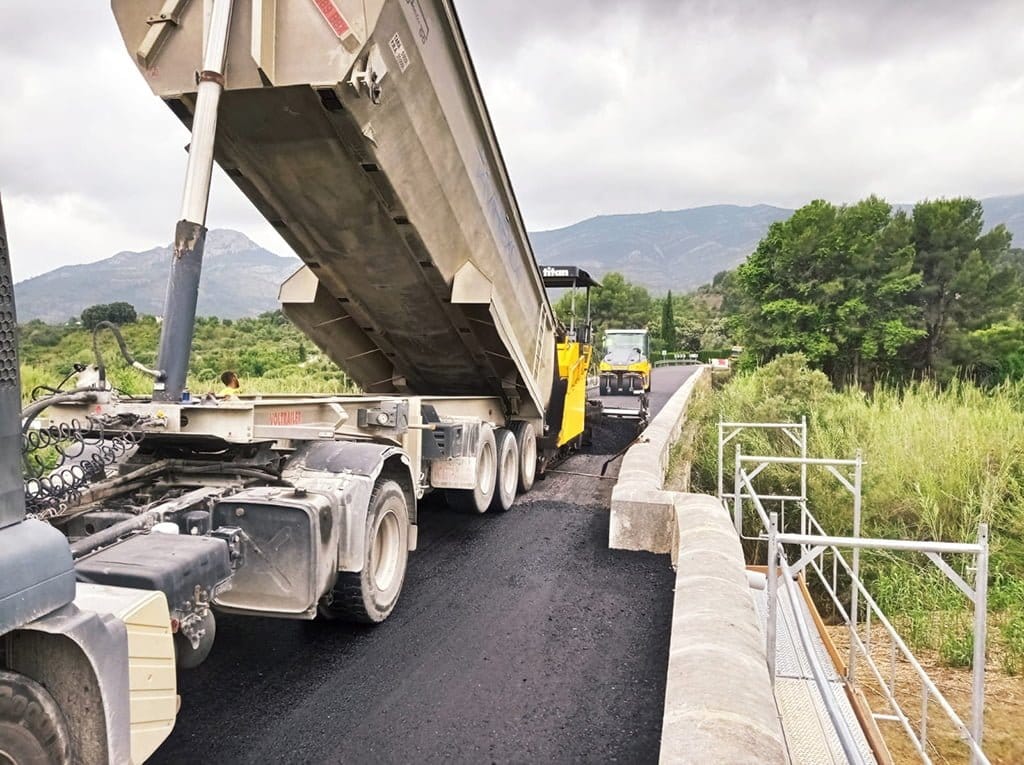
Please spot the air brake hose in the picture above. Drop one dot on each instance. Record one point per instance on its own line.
(85, 395)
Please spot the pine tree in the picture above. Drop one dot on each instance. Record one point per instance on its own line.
(668, 325)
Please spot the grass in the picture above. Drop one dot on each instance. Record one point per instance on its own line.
(681, 454)
(939, 461)
(1012, 632)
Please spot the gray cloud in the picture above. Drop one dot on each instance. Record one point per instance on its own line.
(748, 102)
(601, 106)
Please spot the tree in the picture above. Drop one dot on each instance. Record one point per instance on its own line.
(616, 304)
(118, 313)
(668, 324)
(968, 279)
(690, 333)
(990, 355)
(274, 318)
(833, 283)
(725, 293)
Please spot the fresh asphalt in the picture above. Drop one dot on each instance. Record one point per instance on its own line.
(518, 637)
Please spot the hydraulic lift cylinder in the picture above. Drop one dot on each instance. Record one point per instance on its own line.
(190, 234)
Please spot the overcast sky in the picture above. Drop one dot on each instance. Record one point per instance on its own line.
(600, 107)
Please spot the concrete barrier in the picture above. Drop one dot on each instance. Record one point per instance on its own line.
(719, 704)
(642, 513)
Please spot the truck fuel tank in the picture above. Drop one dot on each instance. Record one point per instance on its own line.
(290, 549)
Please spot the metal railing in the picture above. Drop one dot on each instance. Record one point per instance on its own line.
(678, 363)
(777, 560)
(814, 544)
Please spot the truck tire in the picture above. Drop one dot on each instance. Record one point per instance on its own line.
(526, 440)
(478, 499)
(369, 596)
(507, 479)
(33, 730)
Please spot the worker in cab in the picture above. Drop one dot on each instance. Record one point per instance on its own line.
(232, 387)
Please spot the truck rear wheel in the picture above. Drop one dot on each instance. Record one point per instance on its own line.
(526, 440)
(33, 730)
(369, 596)
(507, 479)
(188, 657)
(478, 499)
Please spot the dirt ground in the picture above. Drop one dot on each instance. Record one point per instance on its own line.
(1003, 740)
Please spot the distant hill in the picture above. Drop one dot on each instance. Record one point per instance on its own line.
(683, 249)
(1010, 212)
(677, 250)
(240, 278)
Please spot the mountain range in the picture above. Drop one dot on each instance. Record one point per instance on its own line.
(677, 250)
(239, 278)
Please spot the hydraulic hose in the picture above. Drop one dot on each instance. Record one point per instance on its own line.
(125, 353)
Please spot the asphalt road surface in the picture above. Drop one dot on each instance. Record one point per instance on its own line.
(518, 638)
(664, 382)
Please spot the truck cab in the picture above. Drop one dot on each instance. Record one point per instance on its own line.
(626, 364)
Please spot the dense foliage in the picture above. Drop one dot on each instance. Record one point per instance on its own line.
(867, 292)
(118, 313)
(678, 324)
(268, 353)
(836, 283)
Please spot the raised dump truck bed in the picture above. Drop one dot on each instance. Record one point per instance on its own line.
(359, 131)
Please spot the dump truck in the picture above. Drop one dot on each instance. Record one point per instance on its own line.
(359, 131)
(626, 365)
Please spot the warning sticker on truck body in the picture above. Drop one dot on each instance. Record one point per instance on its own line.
(401, 57)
